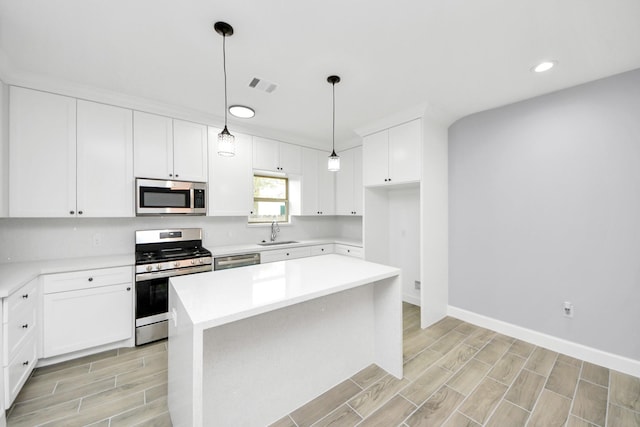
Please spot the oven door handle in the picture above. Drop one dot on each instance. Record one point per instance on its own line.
(170, 273)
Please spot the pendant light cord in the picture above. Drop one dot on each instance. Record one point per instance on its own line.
(224, 69)
(333, 143)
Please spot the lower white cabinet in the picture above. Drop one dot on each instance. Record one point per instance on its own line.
(19, 338)
(284, 254)
(85, 309)
(349, 250)
(322, 249)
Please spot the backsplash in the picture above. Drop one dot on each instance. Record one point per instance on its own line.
(26, 239)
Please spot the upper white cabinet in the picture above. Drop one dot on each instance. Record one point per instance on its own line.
(318, 196)
(392, 156)
(276, 156)
(69, 159)
(189, 151)
(105, 161)
(42, 154)
(165, 148)
(349, 183)
(230, 178)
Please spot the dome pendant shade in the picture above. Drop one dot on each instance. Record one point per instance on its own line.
(333, 164)
(226, 141)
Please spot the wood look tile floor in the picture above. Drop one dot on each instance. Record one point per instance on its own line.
(455, 374)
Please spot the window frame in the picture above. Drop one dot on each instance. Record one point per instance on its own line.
(255, 221)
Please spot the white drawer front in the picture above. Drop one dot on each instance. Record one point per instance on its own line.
(19, 368)
(284, 254)
(347, 250)
(322, 249)
(23, 297)
(86, 279)
(19, 325)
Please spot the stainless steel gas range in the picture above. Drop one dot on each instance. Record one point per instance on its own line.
(161, 254)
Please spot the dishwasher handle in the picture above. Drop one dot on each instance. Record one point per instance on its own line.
(235, 261)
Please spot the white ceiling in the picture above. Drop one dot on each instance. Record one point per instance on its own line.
(456, 56)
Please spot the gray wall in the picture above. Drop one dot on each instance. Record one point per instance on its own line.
(544, 199)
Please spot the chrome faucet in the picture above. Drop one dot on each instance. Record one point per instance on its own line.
(275, 228)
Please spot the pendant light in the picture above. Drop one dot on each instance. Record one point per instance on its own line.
(226, 141)
(334, 161)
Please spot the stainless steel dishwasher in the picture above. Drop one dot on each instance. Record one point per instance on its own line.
(234, 261)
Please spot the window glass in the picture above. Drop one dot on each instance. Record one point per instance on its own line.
(270, 199)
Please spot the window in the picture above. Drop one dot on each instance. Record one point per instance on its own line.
(270, 199)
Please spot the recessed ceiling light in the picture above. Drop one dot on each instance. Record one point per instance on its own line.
(242, 111)
(544, 66)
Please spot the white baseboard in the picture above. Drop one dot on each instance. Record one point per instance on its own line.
(579, 351)
(411, 299)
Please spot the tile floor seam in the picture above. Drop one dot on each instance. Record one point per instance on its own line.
(606, 413)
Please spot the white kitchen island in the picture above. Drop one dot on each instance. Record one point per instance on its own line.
(249, 345)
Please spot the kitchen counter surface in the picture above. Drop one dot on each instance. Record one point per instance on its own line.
(16, 274)
(219, 297)
(254, 247)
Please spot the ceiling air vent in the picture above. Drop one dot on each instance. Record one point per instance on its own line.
(263, 85)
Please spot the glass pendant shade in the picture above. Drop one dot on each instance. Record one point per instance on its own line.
(334, 162)
(226, 143)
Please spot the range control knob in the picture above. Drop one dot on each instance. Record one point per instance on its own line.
(193, 261)
(159, 266)
(149, 267)
(201, 261)
(176, 264)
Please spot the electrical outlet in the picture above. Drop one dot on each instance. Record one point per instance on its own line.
(416, 284)
(97, 239)
(567, 309)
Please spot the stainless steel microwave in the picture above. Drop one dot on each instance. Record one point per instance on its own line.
(160, 197)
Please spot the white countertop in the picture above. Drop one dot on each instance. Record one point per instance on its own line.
(255, 247)
(16, 274)
(219, 297)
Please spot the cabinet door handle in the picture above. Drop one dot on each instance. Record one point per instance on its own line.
(90, 279)
(322, 250)
(177, 175)
(128, 288)
(25, 326)
(25, 363)
(71, 212)
(25, 296)
(170, 174)
(287, 253)
(79, 212)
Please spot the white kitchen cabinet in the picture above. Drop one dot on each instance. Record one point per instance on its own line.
(165, 148)
(392, 156)
(19, 338)
(86, 309)
(189, 151)
(276, 156)
(68, 158)
(326, 186)
(230, 178)
(322, 249)
(318, 196)
(42, 154)
(152, 146)
(349, 250)
(349, 183)
(104, 161)
(284, 254)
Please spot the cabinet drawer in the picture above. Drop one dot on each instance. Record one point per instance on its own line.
(86, 279)
(322, 249)
(17, 329)
(24, 297)
(18, 370)
(284, 254)
(347, 250)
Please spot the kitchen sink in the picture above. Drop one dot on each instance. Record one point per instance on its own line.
(284, 242)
